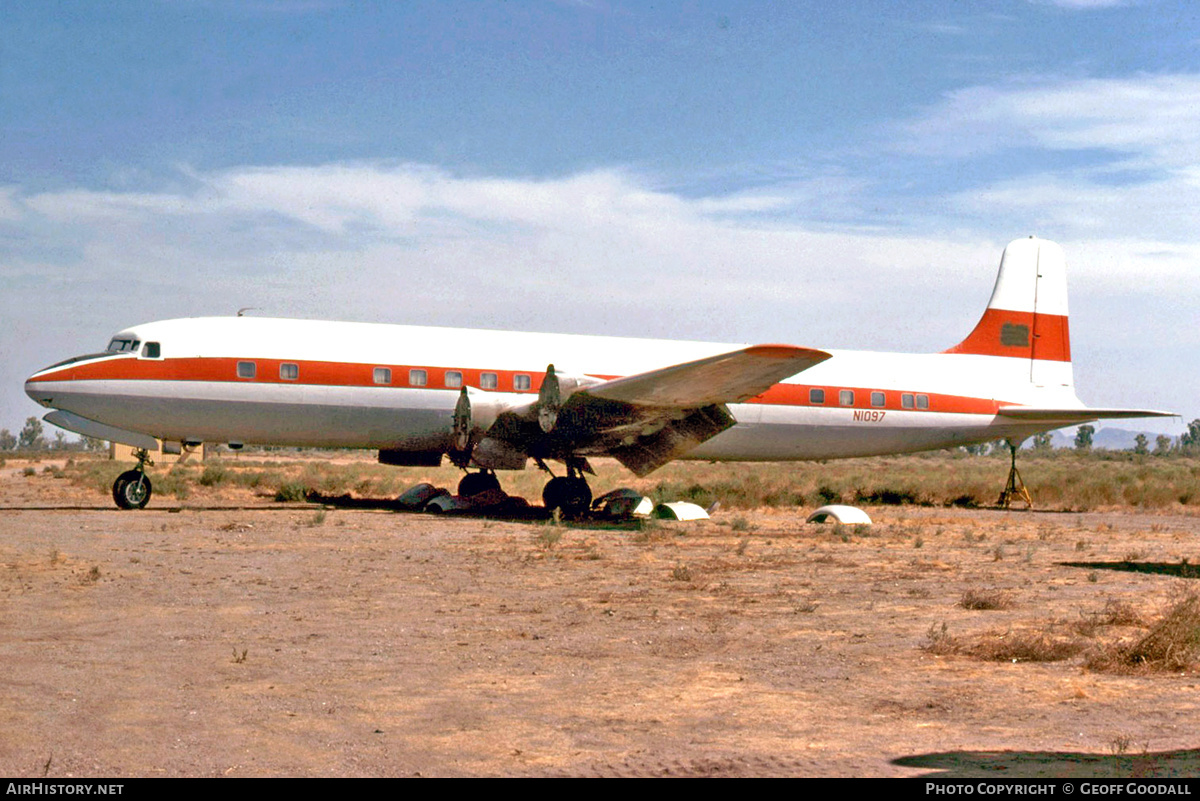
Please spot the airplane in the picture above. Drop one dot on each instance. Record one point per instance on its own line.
(478, 397)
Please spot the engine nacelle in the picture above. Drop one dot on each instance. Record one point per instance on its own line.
(556, 388)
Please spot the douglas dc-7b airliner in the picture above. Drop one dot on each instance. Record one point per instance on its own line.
(487, 399)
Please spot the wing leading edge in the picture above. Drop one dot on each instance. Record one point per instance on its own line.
(648, 419)
(726, 378)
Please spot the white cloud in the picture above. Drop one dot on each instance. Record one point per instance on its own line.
(8, 206)
(1152, 119)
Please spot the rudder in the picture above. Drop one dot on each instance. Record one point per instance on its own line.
(1026, 317)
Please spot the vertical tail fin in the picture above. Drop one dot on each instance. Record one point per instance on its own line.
(1026, 317)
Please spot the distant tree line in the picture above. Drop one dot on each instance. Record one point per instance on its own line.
(1188, 443)
(32, 437)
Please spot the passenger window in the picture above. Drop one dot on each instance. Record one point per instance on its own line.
(289, 372)
(488, 381)
(521, 382)
(846, 397)
(906, 400)
(247, 369)
(922, 401)
(152, 350)
(417, 378)
(453, 379)
(383, 375)
(877, 399)
(816, 396)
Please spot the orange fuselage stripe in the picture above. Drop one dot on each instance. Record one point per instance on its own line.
(345, 374)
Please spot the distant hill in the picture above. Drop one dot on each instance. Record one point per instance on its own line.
(1120, 439)
(1109, 439)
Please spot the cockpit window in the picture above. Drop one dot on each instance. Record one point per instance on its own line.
(123, 345)
(152, 350)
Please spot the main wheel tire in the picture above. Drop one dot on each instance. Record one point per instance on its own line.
(132, 490)
(572, 495)
(474, 483)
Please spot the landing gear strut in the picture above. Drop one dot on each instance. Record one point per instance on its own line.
(569, 493)
(1015, 489)
(132, 488)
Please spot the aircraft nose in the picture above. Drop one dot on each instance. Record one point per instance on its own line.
(38, 392)
(39, 389)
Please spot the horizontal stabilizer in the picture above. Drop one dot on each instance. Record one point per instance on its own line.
(726, 378)
(1073, 416)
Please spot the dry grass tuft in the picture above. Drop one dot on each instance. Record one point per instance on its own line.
(986, 599)
(1170, 645)
(1119, 613)
(939, 641)
(1026, 646)
(681, 573)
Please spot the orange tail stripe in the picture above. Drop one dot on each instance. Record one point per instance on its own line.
(1021, 335)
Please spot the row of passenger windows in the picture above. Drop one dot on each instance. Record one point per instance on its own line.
(453, 379)
(908, 400)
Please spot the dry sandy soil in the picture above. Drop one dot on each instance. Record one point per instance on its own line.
(234, 636)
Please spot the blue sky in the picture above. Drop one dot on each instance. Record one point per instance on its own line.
(833, 175)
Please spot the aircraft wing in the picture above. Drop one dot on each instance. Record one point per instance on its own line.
(727, 378)
(648, 419)
(1069, 417)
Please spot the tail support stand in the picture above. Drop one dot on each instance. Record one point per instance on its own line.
(1015, 489)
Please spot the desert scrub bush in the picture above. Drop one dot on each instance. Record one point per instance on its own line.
(1170, 645)
(1119, 613)
(825, 495)
(255, 479)
(740, 523)
(739, 492)
(97, 474)
(550, 535)
(214, 474)
(985, 599)
(290, 491)
(1026, 646)
(939, 642)
(176, 482)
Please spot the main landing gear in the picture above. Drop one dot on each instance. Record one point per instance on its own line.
(132, 488)
(473, 484)
(1015, 489)
(570, 493)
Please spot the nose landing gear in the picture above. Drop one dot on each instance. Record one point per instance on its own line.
(132, 488)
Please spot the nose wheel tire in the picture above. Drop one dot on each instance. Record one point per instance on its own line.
(131, 490)
(570, 494)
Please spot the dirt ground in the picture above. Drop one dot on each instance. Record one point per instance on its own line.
(235, 636)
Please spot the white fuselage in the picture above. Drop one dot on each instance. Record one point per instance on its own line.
(356, 385)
